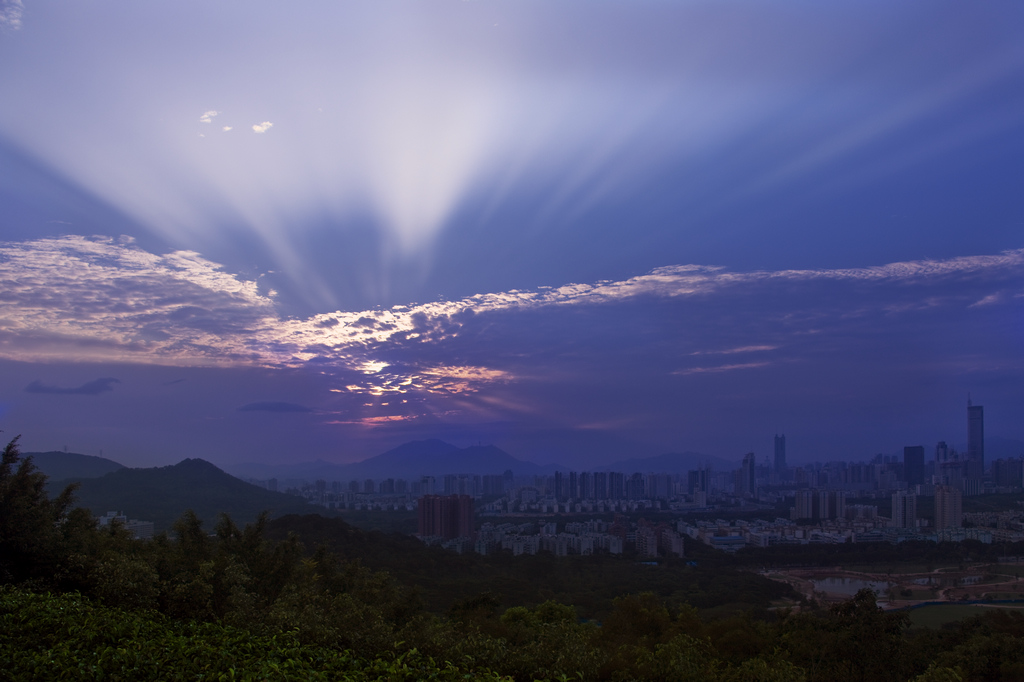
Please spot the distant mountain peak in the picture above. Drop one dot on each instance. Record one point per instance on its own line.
(197, 465)
(428, 447)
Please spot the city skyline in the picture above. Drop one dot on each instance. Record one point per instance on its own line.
(581, 233)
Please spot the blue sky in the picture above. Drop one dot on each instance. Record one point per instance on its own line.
(580, 231)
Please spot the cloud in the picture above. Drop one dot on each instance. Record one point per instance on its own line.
(732, 351)
(100, 299)
(991, 299)
(273, 407)
(10, 14)
(262, 127)
(94, 387)
(80, 298)
(208, 116)
(720, 368)
(227, 128)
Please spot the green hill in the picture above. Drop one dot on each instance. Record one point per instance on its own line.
(163, 494)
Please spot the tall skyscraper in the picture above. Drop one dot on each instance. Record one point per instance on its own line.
(780, 454)
(1007, 473)
(975, 440)
(904, 509)
(746, 481)
(948, 507)
(586, 484)
(913, 464)
(805, 504)
(698, 480)
(616, 485)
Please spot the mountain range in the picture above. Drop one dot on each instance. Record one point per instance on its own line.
(410, 461)
(163, 494)
(436, 458)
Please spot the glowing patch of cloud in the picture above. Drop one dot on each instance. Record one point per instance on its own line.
(471, 373)
(262, 127)
(208, 116)
(459, 379)
(372, 421)
(373, 366)
(227, 128)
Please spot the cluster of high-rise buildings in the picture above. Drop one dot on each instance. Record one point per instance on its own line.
(648, 539)
(965, 471)
(445, 516)
(820, 494)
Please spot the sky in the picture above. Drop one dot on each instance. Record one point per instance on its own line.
(580, 231)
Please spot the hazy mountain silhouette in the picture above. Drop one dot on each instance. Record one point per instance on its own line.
(163, 494)
(411, 460)
(435, 458)
(61, 465)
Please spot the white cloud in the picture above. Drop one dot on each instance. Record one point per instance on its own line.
(10, 14)
(226, 128)
(262, 127)
(208, 116)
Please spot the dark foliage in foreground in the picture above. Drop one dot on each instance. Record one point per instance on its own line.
(591, 583)
(53, 637)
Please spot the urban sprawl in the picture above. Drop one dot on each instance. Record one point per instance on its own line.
(488, 513)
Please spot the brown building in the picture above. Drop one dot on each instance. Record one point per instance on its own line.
(948, 507)
(446, 516)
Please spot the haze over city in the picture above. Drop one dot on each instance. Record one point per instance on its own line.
(581, 232)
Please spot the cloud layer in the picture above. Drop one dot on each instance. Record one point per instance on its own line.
(108, 300)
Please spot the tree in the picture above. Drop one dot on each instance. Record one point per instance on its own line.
(31, 537)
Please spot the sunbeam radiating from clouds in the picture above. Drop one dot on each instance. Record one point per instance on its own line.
(402, 117)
